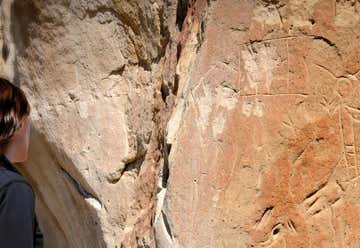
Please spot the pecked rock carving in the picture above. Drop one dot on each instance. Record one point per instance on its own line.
(190, 123)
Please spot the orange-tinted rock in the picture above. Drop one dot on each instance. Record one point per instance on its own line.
(191, 123)
(265, 134)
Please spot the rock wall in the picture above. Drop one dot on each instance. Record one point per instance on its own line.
(265, 134)
(190, 123)
(93, 72)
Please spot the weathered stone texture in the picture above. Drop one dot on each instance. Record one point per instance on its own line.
(92, 71)
(264, 136)
(191, 123)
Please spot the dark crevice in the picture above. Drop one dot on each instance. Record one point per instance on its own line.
(181, 12)
(178, 51)
(202, 27)
(200, 35)
(271, 2)
(292, 225)
(73, 97)
(326, 40)
(276, 230)
(317, 211)
(312, 203)
(77, 185)
(177, 77)
(230, 87)
(341, 187)
(298, 155)
(166, 223)
(176, 84)
(165, 91)
(266, 211)
(315, 191)
(5, 51)
(166, 171)
(118, 71)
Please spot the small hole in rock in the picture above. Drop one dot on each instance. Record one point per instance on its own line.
(276, 231)
(5, 52)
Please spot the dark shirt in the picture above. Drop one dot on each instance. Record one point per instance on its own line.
(18, 224)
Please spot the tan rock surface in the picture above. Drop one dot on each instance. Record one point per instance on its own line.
(264, 135)
(190, 123)
(91, 70)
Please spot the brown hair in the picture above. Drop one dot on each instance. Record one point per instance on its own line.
(14, 107)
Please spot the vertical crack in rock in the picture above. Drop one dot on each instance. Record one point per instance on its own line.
(176, 85)
(29, 24)
(165, 91)
(147, 181)
(5, 51)
(164, 32)
(181, 12)
(166, 170)
(188, 44)
(202, 27)
(167, 224)
(295, 48)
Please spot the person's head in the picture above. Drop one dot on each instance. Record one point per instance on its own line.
(14, 122)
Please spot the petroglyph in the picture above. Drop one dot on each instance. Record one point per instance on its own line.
(260, 59)
(264, 218)
(277, 159)
(210, 100)
(253, 106)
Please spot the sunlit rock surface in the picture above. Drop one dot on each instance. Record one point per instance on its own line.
(190, 123)
(265, 136)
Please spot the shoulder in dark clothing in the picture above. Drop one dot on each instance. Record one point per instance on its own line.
(17, 216)
(17, 195)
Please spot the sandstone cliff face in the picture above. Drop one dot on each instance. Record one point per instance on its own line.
(190, 123)
(265, 134)
(92, 71)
